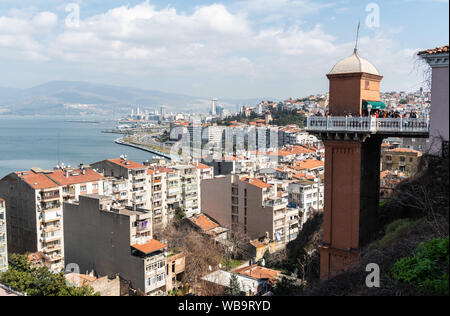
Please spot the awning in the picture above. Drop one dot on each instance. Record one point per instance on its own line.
(376, 105)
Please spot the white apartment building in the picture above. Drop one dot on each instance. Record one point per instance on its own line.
(3, 238)
(190, 188)
(307, 196)
(134, 174)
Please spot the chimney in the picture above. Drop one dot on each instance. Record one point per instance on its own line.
(83, 171)
(67, 173)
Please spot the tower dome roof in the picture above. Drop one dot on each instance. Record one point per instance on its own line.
(354, 64)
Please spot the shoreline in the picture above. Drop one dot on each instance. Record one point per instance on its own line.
(120, 141)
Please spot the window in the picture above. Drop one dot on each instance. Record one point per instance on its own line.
(389, 158)
(83, 188)
(402, 158)
(234, 209)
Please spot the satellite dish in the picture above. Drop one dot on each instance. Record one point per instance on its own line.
(263, 262)
(210, 268)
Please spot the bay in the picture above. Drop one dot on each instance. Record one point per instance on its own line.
(27, 142)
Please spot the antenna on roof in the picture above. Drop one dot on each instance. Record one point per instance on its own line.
(357, 37)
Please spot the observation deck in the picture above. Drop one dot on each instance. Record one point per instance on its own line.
(353, 126)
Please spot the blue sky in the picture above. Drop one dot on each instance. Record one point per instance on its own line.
(225, 49)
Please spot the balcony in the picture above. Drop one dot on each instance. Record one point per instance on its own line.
(50, 197)
(388, 126)
(275, 202)
(141, 176)
(52, 248)
(50, 216)
(47, 239)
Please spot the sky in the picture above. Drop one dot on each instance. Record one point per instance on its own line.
(224, 49)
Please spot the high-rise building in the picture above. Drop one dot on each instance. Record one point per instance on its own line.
(163, 111)
(214, 106)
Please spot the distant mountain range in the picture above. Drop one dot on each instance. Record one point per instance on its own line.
(73, 98)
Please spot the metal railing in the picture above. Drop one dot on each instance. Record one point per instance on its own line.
(368, 124)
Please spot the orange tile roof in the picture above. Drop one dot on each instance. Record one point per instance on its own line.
(161, 169)
(202, 166)
(257, 183)
(90, 176)
(310, 164)
(152, 246)
(38, 181)
(404, 150)
(127, 164)
(204, 222)
(433, 51)
(258, 272)
(80, 279)
(300, 150)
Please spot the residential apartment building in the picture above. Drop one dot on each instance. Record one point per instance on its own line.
(34, 218)
(135, 175)
(3, 238)
(76, 182)
(401, 159)
(190, 188)
(165, 193)
(250, 205)
(307, 196)
(107, 238)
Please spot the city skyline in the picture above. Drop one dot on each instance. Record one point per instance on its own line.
(233, 49)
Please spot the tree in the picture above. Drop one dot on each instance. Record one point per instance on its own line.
(201, 254)
(179, 213)
(39, 281)
(235, 287)
(287, 287)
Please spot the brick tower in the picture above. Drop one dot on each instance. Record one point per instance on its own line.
(352, 168)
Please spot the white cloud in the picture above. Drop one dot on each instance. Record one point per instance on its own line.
(215, 50)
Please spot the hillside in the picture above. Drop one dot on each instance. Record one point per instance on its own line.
(72, 98)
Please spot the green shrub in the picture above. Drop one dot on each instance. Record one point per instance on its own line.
(397, 229)
(428, 268)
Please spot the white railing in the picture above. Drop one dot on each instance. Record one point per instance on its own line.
(368, 124)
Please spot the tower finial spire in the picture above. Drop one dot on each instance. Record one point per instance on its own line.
(357, 37)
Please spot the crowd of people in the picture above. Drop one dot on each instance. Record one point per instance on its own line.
(377, 113)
